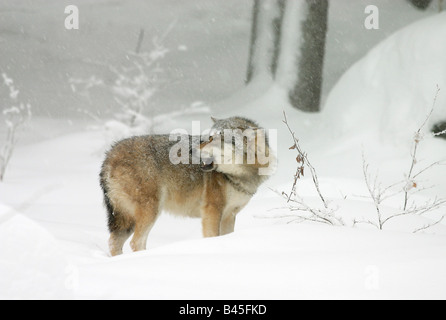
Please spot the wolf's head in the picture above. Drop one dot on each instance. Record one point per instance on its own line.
(232, 123)
(236, 146)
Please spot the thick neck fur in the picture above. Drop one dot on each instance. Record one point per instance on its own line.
(248, 182)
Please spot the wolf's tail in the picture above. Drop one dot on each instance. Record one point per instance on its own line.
(117, 221)
(112, 223)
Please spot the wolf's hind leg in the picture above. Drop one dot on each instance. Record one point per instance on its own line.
(117, 240)
(121, 227)
(145, 218)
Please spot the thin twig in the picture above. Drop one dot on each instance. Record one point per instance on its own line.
(374, 194)
(441, 163)
(417, 138)
(428, 225)
(304, 156)
(295, 203)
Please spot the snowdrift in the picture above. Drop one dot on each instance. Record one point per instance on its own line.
(276, 262)
(391, 90)
(32, 264)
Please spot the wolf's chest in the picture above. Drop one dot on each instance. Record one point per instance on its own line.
(235, 199)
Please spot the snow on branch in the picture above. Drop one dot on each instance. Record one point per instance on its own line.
(401, 191)
(132, 87)
(14, 116)
(405, 188)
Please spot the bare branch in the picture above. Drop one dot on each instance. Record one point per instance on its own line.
(355, 222)
(431, 111)
(15, 116)
(305, 161)
(436, 163)
(417, 139)
(375, 194)
(296, 203)
(429, 225)
(378, 195)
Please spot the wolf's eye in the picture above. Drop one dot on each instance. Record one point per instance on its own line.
(206, 139)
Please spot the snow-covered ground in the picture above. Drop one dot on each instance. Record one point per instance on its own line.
(54, 239)
(53, 235)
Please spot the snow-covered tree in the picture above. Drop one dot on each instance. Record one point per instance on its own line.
(15, 115)
(136, 83)
(133, 85)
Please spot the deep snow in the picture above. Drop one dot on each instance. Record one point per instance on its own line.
(392, 89)
(53, 232)
(54, 243)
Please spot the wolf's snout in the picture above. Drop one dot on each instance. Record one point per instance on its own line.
(207, 164)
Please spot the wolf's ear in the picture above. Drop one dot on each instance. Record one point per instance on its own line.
(214, 119)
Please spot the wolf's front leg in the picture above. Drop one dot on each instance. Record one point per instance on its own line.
(227, 224)
(214, 202)
(211, 219)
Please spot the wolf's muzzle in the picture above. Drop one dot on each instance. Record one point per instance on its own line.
(207, 164)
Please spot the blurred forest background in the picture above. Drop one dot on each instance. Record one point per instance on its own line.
(207, 46)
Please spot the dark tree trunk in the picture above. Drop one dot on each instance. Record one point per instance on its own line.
(302, 52)
(306, 94)
(421, 4)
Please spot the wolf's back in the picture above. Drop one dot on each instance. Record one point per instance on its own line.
(140, 166)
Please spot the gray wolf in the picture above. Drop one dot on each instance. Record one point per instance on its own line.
(139, 180)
